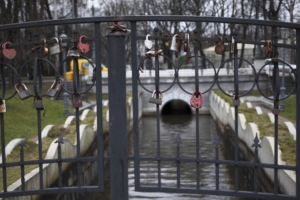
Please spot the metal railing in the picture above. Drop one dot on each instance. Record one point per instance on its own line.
(118, 156)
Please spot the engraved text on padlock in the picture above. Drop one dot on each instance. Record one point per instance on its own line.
(197, 102)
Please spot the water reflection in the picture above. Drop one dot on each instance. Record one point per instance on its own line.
(170, 126)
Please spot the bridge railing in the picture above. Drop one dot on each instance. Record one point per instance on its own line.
(116, 62)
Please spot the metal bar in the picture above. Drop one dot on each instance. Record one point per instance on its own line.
(100, 142)
(298, 115)
(3, 151)
(178, 166)
(217, 165)
(77, 124)
(236, 115)
(249, 194)
(59, 165)
(139, 18)
(157, 111)
(117, 115)
(197, 111)
(135, 107)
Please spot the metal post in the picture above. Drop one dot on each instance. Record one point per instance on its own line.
(93, 47)
(117, 114)
(282, 88)
(66, 95)
(298, 115)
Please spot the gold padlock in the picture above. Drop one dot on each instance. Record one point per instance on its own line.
(44, 49)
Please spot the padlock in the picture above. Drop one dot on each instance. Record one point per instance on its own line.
(55, 48)
(76, 100)
(186, 42)
(155, 100)
(2, 106)
(197, 102)
(148, 43)
(38, 103)
(232, 45)
(55, 87)
(219, 48)
(176, 43)
(25, 94)
(73, 53)
(266, 48)
(44, 49)
(8, 53)
(83, 47)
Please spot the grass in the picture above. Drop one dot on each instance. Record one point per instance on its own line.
(290, 108)
(266, 128)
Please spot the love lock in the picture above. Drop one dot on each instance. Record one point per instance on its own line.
(8, 53)
(76, 100)
(219, 48)
(55, 48)
(2, 106)
(38, 103)
(197, 102)
(186, 42)
(148, 43)
(155, 100)
(176, 43)
(25, 94)
(55, 87)
(44, 49)
(83, 47)
(73, 53)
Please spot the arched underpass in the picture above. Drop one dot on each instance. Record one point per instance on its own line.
(176, 106)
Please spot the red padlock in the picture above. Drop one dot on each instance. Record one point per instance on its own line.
(83, 47)
(197, 102)
(8, 53)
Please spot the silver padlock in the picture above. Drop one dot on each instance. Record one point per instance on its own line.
(38, 104)
(25, 94)
(55, 87)
(148, 43)
(55, 48)
(155, 100)
(176, 43)
(73, 53)
(2, 106)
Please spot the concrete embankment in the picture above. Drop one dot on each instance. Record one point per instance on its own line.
(224, 113)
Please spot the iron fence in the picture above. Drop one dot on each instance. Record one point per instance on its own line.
(118, 156)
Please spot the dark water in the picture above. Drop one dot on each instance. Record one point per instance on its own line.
(170, 126)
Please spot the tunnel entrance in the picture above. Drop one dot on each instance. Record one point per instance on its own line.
(176, 107)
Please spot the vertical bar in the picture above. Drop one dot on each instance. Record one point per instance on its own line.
(38, 111)
(3, 151)
(22, 167)
(59, 164)
(157, 110)
(236, 109)
(197, 110)
(217, 167)
(178, 166)
(78, 146)
(99, 107)
(135, 106)
(117, 115)
(298, 116)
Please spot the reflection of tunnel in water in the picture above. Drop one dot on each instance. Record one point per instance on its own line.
(176, 107)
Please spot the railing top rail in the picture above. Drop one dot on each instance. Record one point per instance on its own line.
(138, 18)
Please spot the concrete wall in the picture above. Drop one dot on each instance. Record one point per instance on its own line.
(247, 131)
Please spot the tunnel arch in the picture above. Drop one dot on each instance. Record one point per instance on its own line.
(177, 100)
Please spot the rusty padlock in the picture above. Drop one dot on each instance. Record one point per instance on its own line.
(186, 42)
(197, 102)
(266, 48)
(76, 100)
(55, 48)
(219, 48)
(55, 87)
(83, 47)
(38, 103)
(154, 100)
(8, 53)
(25, 94)
(2, 106)
(44, 49)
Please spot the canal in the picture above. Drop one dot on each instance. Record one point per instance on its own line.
(171, 125)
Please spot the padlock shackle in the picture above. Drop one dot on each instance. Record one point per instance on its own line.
(17, 86)
(160, 94)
